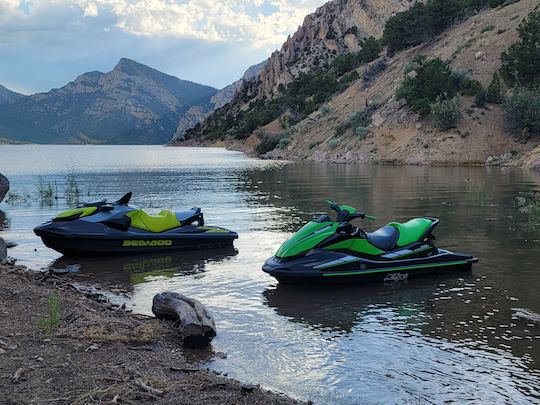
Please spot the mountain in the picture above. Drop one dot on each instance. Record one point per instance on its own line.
(333, 94)
(334, 29)
(7, 96)
(198, 113)
(132, 104)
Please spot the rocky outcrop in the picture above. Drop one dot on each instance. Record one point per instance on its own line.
(4, 186)
(133, 103)
(199, 112)
(335, 28)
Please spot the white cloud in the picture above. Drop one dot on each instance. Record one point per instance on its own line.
(259, 22)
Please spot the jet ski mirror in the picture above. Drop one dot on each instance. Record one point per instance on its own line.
(125, 199)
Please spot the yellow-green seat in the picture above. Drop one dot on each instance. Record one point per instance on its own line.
(163, 221)
(411, 231)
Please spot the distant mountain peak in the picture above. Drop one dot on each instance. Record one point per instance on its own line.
(8, 96)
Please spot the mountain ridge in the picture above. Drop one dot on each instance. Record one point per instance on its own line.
(132, 103)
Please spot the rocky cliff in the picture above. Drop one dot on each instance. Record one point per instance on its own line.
(393, 133)
(334, 29)
(199, 112)
(131, 104)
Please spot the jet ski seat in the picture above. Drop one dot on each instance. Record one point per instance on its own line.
(384, 238)
(411, 231)
(165, 220)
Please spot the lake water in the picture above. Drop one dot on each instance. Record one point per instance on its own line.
(432, 340)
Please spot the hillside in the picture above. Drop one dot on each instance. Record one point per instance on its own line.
(132, 104)
(322, 126)
(7, 96)
(198, 113)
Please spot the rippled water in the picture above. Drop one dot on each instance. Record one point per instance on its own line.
(437, 339)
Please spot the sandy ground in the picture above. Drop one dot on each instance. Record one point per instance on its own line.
(98, 353)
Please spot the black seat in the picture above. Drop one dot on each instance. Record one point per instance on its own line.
(384, 238)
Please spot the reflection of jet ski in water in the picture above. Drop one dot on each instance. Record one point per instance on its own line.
(102, 227)
(341, 307)
(330, 250)
(135, 269)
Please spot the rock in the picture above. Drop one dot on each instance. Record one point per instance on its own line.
(4, 186)
(490, 160)
(418, 125)
(524, 210)
(197, 326)
(479, 55)
(3, 250)
(520, 201)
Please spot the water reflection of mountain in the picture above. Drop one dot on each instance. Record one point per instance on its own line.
(134, 269)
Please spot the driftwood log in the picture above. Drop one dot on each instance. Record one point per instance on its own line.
(197, 326)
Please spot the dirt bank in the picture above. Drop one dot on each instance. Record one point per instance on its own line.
(96, 353)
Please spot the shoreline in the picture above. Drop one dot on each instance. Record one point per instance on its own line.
(99, 352)
(526, 162)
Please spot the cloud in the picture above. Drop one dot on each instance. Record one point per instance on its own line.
(258, 22)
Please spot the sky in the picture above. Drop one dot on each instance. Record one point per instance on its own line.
(45, 44)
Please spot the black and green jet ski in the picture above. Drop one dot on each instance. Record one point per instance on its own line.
(330, 251)
(102, 227)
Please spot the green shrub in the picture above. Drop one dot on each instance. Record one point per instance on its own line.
(360, 119)
(488, 28)
(434, 79)
(333, 143)
(522, 109)
(267, 144)
(361, 132)
(494, 93)
(470, 87)
(446, 113)
(325, 109)
(521, 63)
(314, 144)
(283, 142)
(480, 99)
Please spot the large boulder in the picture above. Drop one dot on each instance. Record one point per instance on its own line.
(4, 186)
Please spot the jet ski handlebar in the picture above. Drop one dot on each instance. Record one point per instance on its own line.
(346, 213)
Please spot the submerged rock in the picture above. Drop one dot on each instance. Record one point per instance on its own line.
(4, 186)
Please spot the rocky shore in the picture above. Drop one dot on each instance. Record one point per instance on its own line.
(58, 345)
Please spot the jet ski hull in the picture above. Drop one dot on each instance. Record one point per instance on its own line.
(328, 267)
(95, 238)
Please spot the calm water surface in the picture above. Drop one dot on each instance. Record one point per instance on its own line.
(432, 340)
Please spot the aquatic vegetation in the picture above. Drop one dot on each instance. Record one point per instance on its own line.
(14, 197)
(49, 323)
(46, 191)
(72, 192)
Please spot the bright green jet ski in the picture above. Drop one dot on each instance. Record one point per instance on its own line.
(329, 251)
(103, 227)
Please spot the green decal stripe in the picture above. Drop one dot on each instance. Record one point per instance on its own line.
(419, 266)
(337, 263)
(413, 252)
